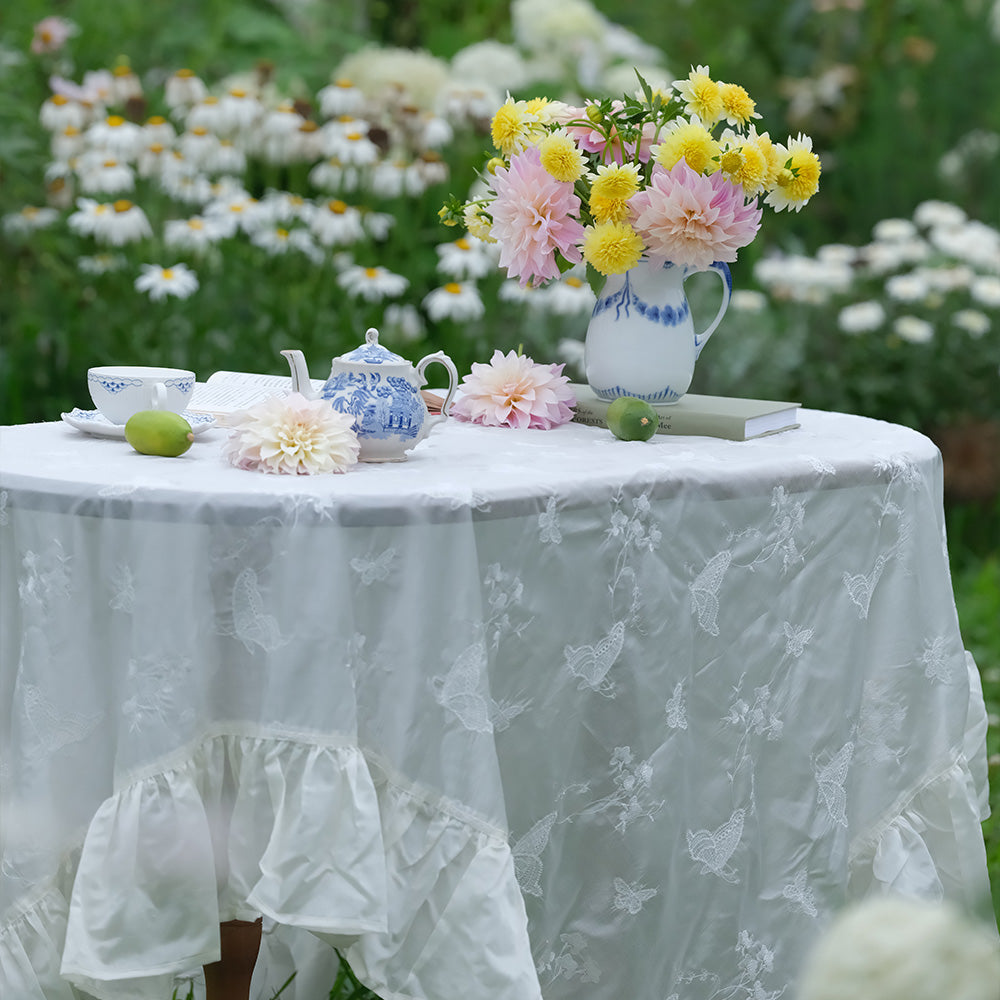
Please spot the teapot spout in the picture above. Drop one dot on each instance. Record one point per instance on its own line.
(301, 382)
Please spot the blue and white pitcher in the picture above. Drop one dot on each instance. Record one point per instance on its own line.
(641, 340)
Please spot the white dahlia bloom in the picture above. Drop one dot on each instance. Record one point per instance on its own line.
(293, 435)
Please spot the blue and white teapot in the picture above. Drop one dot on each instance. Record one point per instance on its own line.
(381, 391)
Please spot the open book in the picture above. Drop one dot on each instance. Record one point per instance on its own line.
(226, 393)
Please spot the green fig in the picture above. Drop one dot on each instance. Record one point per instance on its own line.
(159, 432)
(631, 419)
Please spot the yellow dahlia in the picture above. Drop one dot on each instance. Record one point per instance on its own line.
(612, 247)
(690, 141)
(561, 158)
(514, 127)
(743, 162)
(738, 107)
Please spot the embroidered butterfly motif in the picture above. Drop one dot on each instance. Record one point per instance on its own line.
(251, 625)
(712, 849)
(591, 663)
(53, 728)
(460, 692)
(831, 778)
(675, 708)
(705, 591)
(527, 854)
(123, 597)
(801, 893)
(861, 586)
(630, 896)
(378, 568)
(796, 639)
(935, 659)
(548, 523)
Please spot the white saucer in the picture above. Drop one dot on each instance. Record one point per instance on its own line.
(94, 422)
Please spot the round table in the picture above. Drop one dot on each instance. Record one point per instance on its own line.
(533, 713)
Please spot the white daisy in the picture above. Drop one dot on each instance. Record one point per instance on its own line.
(403, 321)
(972, 321)
(913, 329)
(894, 231)
(748, 300)
(861, 317)
(274, 136)
(87, 218)
(394, 177)
(332, 175)
(277, 240)
(335, 223)
(339, 98)
(455, 300)
(68, 143)
(183, 90)
(125, 223)
(239, 111)
(469, 103)
(932, 213)
(567, 297)
(466, 257)
(126, 86)
(237, 211)
(101, 174)
(197, 145)
(986, 290)
(206, 113)
(28, 220)
(351, 146)
(59, 112)
(196, 234)
(101, 263)
(431, 169)
(373, 284)
(157, 129)
(378, 224)
(907, 287)
(159, 282)
(117, 136)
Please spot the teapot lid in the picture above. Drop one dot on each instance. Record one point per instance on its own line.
(371, 352)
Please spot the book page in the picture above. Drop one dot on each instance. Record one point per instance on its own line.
(227, 392)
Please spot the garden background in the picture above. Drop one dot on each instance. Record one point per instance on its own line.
(899, 97)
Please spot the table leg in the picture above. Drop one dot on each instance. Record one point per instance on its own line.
(229, 978)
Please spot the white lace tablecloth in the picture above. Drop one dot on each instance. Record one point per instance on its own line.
(530, 714)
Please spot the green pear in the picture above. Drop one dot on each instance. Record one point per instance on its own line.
(159, 432)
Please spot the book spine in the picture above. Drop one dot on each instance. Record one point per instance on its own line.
(594, 414)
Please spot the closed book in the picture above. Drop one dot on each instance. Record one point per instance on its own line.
(711, 416)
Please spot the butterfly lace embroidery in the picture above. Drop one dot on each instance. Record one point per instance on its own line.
(935, 659)
(591, 663)
(549, 531)
(801, 894)
(53, 727)
(374, 570)
(630, 896)
(705, 591)
(45, 577)
(712, 849)
(158, 683)
(676, 709)
(831, 779)
(527, 854)
(122, 589)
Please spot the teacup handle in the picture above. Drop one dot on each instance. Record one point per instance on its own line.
(158, 396)
(441, 358)
(722, 270)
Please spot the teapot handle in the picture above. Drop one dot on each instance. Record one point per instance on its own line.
(722, 270)
(441, 358)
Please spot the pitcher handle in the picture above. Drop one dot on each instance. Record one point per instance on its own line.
(722, 270)
(441, 358)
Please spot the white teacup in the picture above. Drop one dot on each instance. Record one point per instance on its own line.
(118, 391)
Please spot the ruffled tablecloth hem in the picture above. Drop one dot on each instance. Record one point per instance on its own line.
(311, 835)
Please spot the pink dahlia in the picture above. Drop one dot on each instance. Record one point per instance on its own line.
(533, 219)
(688, 218)
(293, 435)
(513, 391)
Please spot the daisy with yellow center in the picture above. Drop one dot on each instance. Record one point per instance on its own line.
(690, 141)
(798, 179)
(514, 127)
(738, 107)
(612, 247)
(561, 158)
(702, 96)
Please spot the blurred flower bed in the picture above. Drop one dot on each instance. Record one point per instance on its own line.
(285, 193)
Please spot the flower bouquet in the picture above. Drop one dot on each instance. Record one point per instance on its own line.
(673, 176)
